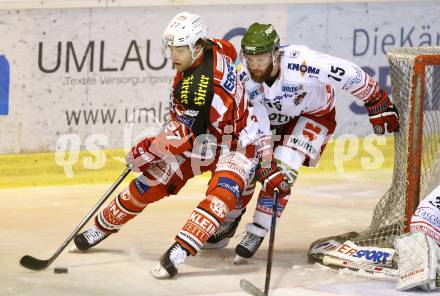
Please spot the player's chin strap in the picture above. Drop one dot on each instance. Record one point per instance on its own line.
(194, 55)
(418, 261)
(275, 57)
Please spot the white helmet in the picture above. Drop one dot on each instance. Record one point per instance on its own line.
(184, 29)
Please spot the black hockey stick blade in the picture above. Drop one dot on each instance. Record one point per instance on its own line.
(34, 263)
(37, 264)
(250, 288)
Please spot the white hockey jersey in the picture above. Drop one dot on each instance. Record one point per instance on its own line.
(427, 215)
(306, 84)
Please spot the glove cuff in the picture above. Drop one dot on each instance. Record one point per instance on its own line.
(262, 173)
(379, 103)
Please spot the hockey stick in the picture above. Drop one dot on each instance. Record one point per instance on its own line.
(336, 262)
(248, 286)
(37, 264)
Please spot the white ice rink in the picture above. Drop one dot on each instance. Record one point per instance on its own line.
(36, 221)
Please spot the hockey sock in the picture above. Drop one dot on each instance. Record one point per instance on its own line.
(123, 208)
(203, 222)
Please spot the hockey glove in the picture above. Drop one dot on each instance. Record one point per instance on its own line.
(173, 139)
(271, 178)
(140, 155)
(381, 111)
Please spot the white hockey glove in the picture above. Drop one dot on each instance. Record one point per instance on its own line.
(418, 261)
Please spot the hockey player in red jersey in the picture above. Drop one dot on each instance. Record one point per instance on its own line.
(207, 103)
(296, 86)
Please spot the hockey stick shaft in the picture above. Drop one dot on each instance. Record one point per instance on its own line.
(248, 286)
(271, 242)
(37, 264)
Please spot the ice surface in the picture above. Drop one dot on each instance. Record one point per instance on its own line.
(37, 220)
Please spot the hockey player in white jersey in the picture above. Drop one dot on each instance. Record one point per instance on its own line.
(297, 87)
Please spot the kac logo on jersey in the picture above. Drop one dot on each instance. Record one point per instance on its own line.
(4, 85)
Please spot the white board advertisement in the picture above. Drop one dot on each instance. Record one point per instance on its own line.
(86, 72)
(363, 33)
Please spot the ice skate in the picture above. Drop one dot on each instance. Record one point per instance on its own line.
(249, 244)
(221, 237)
(89, 238)
(169, 262)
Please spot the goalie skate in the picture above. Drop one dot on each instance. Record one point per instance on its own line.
(90, 238)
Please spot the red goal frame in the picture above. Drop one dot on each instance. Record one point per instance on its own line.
(415, 137)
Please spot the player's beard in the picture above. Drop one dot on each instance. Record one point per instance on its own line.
(265, 75)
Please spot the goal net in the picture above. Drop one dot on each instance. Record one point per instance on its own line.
(415, 80)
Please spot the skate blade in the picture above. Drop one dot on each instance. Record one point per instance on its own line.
(238, 260)
(74, 249)
(160, 273)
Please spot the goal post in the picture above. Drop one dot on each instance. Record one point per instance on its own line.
(415, 81)
(422, 103)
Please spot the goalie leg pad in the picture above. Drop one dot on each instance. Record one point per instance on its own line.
(418, 261)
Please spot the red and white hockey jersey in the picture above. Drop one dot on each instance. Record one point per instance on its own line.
(209, 99)
(427, 215)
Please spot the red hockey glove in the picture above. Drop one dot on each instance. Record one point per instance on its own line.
(173, 139)
(140, 155)
(381, 111)
(271, 178)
